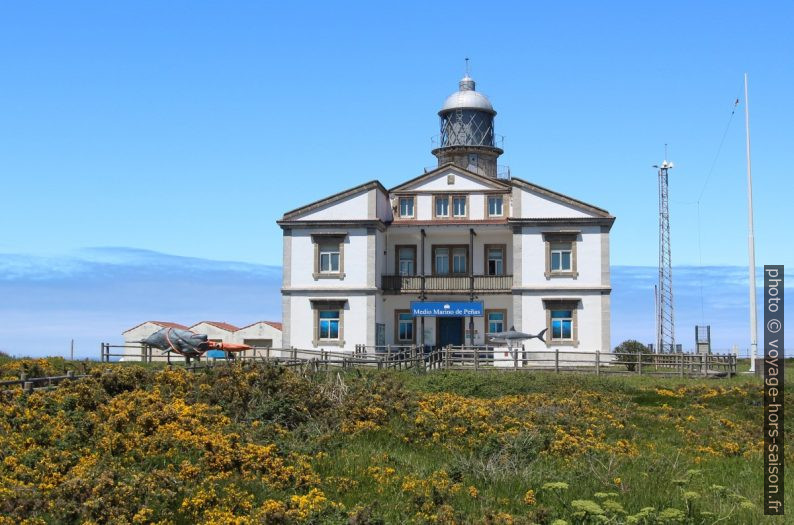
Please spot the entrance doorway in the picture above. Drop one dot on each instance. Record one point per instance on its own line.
(450, 331)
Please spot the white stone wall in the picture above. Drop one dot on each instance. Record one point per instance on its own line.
(303, 256)
(258, 330)
(535, 205)
(355, 207)
(213, 332)
(588, 315)
(355, 326)
(588, 255)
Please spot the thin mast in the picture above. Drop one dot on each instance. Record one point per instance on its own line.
(751, 237)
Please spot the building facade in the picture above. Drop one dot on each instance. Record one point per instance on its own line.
(530, 257)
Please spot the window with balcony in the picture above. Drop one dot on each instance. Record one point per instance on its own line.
(494, 259)
(407, 207)
(450, 260)
(441, 261)
(495, 204)
(406, 260)
(459, 260)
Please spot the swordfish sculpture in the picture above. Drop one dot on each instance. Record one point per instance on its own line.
(512, 335)
(188, 344)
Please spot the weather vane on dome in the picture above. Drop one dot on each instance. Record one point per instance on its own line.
(467, 66)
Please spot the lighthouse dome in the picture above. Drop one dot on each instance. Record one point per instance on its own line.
(467, 98)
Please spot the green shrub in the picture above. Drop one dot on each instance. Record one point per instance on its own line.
(629, 352)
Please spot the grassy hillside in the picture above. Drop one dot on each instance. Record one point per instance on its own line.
(266, 445)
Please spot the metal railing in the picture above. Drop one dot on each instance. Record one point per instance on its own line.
(447, 283)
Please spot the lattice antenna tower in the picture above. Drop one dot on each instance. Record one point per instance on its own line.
(665, 325)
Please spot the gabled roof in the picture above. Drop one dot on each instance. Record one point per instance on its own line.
(373, 184)
(576, 203)
(164, 324)
(274, 324)
(219, 324)
(449, 165)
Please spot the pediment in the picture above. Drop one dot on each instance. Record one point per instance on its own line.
(451, 178)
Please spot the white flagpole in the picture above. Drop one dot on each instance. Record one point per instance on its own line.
(751, 237)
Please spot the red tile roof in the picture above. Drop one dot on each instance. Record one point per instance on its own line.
(164, 324)
(219, 324)
(274, 324)
(169, 324)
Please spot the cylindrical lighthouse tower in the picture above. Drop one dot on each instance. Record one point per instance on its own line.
(467, 131)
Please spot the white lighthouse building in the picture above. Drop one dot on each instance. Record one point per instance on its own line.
(448, 256)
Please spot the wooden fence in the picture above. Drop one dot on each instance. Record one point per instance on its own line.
(457, 358)
(29, 384)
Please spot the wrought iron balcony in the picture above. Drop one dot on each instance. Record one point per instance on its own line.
(447, 283)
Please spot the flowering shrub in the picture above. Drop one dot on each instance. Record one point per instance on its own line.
(261, 444)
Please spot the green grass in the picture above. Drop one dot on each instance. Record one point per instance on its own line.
(687, 447)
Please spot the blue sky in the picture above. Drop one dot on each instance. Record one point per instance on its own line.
(188, 128)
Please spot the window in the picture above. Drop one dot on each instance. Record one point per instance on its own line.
(561, 321)
(459, 260)
(329, 257)
(561, 325)
(442, 206)
(328, 322)
(495, 203)
(404, 326)
(406, 260)
(441, 261)
(406, 206)
(380, 334)
(496, 321)
(459, 206)
(494, 259)
(560, 256)
(450, 259)
(329, 325)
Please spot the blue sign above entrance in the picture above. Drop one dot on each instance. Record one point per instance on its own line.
(447, 309)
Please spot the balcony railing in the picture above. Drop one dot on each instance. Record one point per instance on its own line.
(447, 283)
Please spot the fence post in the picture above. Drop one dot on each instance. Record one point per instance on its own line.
(476, 359)
(639, 363)
(70, 374)
(598, 362)
(557, 360)
(681, 369)
(27, 387)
